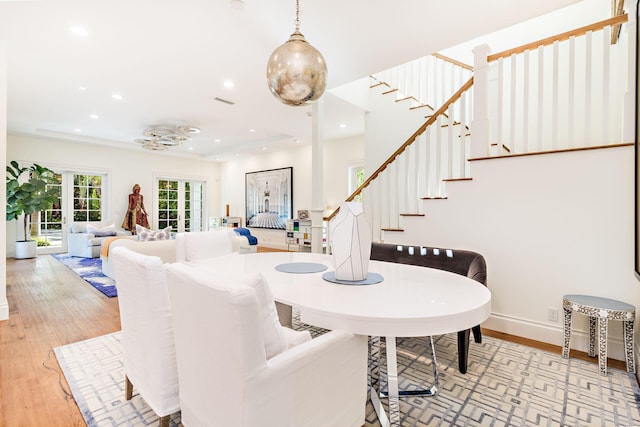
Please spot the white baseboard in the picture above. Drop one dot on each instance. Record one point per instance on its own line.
(552, 334)
(4, 310)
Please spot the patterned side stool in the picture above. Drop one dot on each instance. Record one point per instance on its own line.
(602, 310)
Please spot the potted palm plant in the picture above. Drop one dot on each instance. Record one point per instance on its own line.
(29, 196)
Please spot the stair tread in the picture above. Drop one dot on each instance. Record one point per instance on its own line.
(392, 229)
(457, 179)
(421, 106)
(411, 214)
(389, 91)
(406, 98)
(434, 198)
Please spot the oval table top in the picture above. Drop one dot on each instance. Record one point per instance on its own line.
(410, 301)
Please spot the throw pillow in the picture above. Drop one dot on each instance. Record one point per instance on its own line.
(109, 230)
(147, 235)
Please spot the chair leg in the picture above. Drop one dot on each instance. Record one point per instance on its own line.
(128, 388)
(463, 350)
(164, 421)
(477, 334)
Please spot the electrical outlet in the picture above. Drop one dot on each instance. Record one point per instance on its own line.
(553, 314)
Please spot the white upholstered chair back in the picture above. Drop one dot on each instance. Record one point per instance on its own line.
(200, 245)
(147, 329)
(226, 378)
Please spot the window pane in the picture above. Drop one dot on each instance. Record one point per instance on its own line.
(87, 203)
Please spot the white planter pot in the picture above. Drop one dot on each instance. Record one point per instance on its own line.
(26, 250)
(351, 242)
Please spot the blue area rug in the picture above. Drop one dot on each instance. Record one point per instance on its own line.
(90, 269)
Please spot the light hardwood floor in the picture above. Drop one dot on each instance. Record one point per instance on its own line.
(51, 306)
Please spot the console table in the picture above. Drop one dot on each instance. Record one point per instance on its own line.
(600, 310)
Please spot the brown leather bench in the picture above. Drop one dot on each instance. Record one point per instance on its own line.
(465, 263)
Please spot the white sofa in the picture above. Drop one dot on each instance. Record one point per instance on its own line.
(185, 247)
(164, 249)
(84, 243)
(190, 248)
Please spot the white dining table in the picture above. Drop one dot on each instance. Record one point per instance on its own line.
(411, 301)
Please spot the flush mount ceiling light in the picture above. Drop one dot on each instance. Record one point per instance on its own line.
(296, 71)
(160, 138)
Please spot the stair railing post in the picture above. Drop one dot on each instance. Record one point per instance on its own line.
(629, 107)
(481, 125)
(317, 194)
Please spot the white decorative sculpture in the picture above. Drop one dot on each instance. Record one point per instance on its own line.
(351, 242)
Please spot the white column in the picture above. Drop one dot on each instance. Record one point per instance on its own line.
(480, 126)
(317, 195)
(629, 107)
(4, 305)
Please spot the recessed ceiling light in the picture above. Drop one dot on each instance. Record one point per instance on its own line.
(78, 130)
(264, 148)
(252, 130)
(217, 140)
(82, 88)
(78, 31)
(228, 84)
(117, 96)
(342, 125)
(297, 141)
(190, 148)
(94, 116)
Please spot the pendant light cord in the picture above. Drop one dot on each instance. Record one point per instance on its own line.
(297, 22)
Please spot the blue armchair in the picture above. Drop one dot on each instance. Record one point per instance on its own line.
(253, 240)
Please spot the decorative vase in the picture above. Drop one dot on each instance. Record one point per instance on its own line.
(351, 242)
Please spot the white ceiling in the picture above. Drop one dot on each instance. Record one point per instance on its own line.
(169, 59)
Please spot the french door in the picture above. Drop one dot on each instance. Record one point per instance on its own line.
(181, 204)
(80, 199)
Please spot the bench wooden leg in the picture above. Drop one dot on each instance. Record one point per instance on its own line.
(128, 388)
(463, 350)
(164, 421)
(477, 334)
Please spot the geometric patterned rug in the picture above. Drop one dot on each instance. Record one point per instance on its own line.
(90, 269)
(506, 384)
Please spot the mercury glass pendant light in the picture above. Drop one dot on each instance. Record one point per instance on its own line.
(296, 71)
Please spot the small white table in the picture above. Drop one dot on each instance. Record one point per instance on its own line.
(600, 310)
(412, 301)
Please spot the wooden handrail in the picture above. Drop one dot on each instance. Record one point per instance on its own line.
(453, 61)
(407, 143)
(560, 37)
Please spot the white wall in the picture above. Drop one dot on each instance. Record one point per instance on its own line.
(577, 15)
(124, 168)
(338, 156)
(388, 124)
(4, 306)
(547, 225)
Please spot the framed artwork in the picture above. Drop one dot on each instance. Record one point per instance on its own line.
(269, 198)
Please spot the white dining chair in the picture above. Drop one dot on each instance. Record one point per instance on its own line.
(147, 331)
(235, 370)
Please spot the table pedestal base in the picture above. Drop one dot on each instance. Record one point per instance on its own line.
(393, 393)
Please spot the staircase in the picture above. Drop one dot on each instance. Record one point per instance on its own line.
(542, 97)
